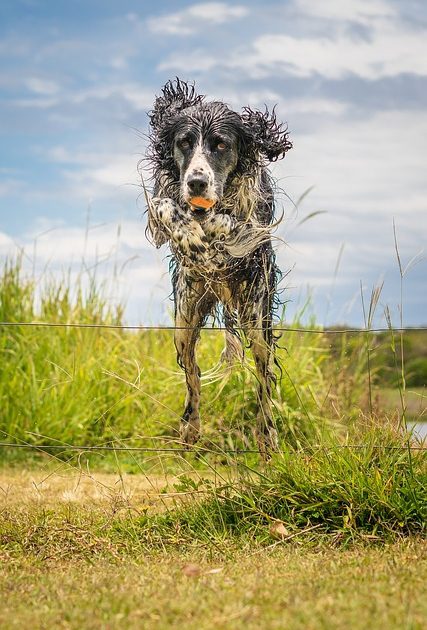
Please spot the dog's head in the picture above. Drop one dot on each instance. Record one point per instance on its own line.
(203, 145)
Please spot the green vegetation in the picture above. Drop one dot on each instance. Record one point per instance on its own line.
(328, 534)
(345, 493)
(87, 386)
(340, 494)
(414, 346)
(87, 551)
(319, 588)
(386, 350)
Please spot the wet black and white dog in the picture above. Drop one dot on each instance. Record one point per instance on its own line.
(214, 204)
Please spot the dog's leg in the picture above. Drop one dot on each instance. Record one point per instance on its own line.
(192, 305)
(177, 225)
(262, 352)
(233, 350)
(256, 318)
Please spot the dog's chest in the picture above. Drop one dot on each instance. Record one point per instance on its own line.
(197, 242)
(204, 253)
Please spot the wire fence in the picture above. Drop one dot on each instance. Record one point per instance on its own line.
(200, 449)
(320, 331)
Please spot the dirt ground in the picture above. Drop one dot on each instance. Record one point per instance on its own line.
(53, 487)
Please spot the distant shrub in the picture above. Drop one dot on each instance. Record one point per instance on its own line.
(416, 372)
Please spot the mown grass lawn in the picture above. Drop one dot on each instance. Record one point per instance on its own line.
(291, 587)
(72, 557)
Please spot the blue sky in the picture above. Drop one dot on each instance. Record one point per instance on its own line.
(350, 78)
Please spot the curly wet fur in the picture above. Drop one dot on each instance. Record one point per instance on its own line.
(223, 255)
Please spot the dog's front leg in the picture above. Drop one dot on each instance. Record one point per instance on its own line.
(181, 229)
(192, 304)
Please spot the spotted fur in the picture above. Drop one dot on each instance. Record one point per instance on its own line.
(222, 255)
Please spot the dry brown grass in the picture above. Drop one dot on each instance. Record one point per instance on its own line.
(53, 488)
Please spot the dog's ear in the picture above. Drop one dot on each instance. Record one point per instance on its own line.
(269, 136)
(176, 96)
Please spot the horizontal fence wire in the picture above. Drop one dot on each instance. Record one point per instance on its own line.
(203, 450)
(200, 450)
(321, 331)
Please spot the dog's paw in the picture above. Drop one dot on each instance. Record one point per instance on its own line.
(189, 431)
(165, 211)
(219, 225)
(191, 242)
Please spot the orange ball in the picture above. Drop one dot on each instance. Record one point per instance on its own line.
(201, 202)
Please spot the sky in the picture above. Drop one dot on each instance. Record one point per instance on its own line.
(348, 77)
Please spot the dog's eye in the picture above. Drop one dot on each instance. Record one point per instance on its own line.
(184, 144)
(221, 146)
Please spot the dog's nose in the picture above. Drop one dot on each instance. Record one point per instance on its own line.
(197, 184)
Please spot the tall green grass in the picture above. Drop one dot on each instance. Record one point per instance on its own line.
(72, 385)
(374, 492)
(90, 386)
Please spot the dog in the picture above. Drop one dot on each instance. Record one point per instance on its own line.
(213, 202)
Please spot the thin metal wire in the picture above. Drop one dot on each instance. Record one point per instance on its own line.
(141, 449)
(333, 331)
(199, 449)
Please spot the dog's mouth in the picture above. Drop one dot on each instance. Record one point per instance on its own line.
(199, 212)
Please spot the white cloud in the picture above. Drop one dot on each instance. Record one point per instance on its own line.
(138, 98)
(44, 87)
(119, 62)
(393, 50)
(189, 20)
(129, 268)
(37, 103)
(389, 48)
(117, 171)
(10, 186)
(7, 245)
(312, 106)
(66, 244)
(366, 175)
(12, 46)
(346, 10)
(96, 175)
(376, 165)
(197, 60)
(216, 12)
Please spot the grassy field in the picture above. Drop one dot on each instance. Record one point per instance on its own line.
(78, 385)
(74, 556)
(329, 534)
(89, 386)
(287, 587)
